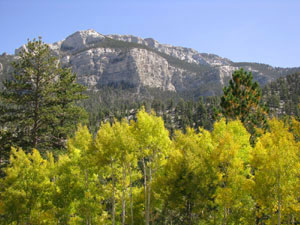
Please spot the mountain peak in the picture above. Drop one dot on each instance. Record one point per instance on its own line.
(81, 39)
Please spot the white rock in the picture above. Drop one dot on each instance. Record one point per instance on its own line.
(18, 50)
(96, 66)
(65, 60)
(187, 54)
(81, 39)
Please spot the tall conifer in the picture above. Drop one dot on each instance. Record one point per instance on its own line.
(37, 104)
(242, 100)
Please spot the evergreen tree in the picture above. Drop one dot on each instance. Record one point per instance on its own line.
(37, 104)
(68, 115)
(242, 100)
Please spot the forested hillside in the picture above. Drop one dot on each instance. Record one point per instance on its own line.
(282, 95)
(177, 112)
(181, 110)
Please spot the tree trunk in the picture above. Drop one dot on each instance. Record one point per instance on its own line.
(145, 189)
(113, 200)
(224, 217)
(279, 199)
(131, 200)
(189, 211)
(86, 188)
(214, 217)
(279, 211)
(149, 192)
(123, 200)
(36, 112)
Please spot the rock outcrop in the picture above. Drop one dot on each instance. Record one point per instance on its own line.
(101, 60)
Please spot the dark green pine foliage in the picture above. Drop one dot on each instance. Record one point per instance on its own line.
(283, 96)
(242, 100)
(201, 116)
(67, 114)
(37, 104)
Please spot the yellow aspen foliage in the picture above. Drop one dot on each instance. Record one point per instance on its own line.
(26, 197)
(78, 191)
(186, 184)
(276, 165)
(115, 154)
(153, 144)
(231, 160)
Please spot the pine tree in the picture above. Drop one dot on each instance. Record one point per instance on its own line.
(242, 100)
(67, 114)
(37, 104)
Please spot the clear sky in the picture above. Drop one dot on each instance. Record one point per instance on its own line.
(265, 31)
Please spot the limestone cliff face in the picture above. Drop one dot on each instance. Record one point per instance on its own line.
(101, 60)
(187, 54)
(101, 66)
(145, 64)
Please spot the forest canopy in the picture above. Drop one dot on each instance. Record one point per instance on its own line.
(131, 172)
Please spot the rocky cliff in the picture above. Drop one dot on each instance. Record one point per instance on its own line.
(101, 60)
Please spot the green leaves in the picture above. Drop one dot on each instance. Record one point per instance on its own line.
(242, 100)
(37, 104)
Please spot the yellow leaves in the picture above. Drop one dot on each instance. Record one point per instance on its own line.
(115, 146)
(27, 185)
(212, 171)
(150, 133)
(230, 158)
(224, 196)
(276, 163)
(81, 140)
(230, 140)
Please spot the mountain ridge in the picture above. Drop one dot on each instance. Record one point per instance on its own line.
(100, 60)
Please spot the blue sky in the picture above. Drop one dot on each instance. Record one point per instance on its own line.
(265, 31)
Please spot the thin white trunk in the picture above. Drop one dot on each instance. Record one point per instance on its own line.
(149, 192)
(131, 200)
(224, 216)
(113, 200)
(145, 189)
(123, 197)
(279, 199)
(86, 188)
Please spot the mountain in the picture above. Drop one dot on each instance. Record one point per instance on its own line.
(5, 68)
(123, 72)
(106, 60)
